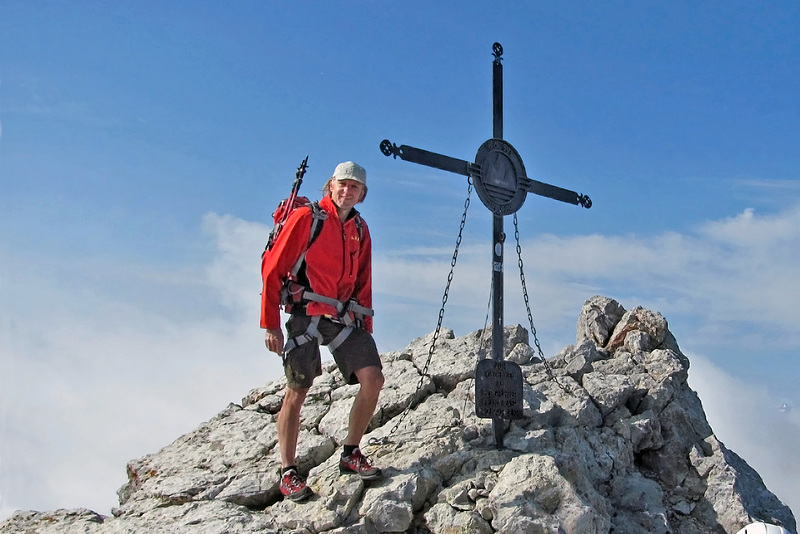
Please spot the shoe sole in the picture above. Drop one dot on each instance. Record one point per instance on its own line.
(300, 495)
(374, 476)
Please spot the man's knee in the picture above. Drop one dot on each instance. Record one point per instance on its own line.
(294, 398)
(371, 378)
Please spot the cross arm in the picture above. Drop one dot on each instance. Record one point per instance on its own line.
(429, 159)
(473, 170)
(556, 193)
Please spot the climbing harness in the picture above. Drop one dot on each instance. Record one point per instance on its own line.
(350, 314)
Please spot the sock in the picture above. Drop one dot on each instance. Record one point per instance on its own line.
(348, 450)
(290, 468)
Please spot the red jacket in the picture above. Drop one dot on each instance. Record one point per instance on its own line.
(338, 263)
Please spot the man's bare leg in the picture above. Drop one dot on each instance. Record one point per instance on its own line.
(353, 461)
(289, 424)
(371, 380)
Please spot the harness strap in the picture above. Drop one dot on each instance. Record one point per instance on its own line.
(294, 294)
(358, 309)
(311, 333)
(339, 339)
(308, 295)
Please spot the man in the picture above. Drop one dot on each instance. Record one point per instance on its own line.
(328, 296)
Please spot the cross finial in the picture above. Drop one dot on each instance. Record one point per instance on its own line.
(497, 51)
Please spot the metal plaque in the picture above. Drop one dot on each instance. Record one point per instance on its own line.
(502, 182)
(498, 389)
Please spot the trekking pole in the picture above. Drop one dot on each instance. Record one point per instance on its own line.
(287, 205)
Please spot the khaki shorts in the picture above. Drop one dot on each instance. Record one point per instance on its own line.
(303, 364)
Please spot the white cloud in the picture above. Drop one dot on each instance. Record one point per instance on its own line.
(738, 269)
(235, 271)
(741, 269)
(92, 379)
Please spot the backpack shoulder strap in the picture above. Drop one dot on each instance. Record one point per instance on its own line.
(360, 226)
(318, 217)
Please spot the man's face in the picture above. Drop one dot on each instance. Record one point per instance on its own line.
(346, 193)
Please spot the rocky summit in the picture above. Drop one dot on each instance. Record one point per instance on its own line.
(611, 439)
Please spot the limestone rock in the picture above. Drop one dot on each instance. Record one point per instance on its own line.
(612, 439)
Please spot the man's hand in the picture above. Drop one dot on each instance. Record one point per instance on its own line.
(274, 340)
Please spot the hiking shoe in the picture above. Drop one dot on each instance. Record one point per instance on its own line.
(358, 464)
(294, 487)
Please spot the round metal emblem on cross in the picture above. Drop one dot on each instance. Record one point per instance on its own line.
(500, 182)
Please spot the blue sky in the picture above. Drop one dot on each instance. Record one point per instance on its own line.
(144, 145)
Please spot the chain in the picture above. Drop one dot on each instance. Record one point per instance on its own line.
(432, 347)
(525, 289)
(528, 307)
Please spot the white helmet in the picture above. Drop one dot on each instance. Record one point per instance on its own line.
(762, 528)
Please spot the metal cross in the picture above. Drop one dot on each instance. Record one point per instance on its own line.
(502, 185)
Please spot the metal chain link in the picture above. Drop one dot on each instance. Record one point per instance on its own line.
(432, 348)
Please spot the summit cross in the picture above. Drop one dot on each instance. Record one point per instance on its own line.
(502, 185)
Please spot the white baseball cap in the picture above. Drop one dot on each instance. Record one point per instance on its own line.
(349, 170)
